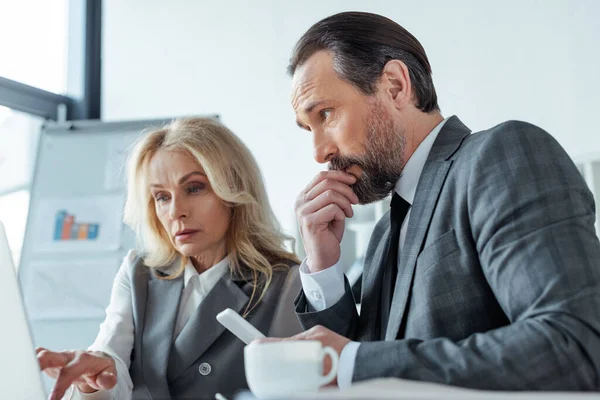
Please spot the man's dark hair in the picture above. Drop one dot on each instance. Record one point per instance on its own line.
(361, 44)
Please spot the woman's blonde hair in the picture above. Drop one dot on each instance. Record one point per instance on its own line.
(254, 239)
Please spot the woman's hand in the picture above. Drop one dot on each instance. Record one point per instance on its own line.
(89, 370)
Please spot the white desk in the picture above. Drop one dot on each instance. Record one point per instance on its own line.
(392, 388)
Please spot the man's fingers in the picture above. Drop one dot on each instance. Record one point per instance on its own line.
(299, 336)
(311, 334)
(331, 184)
(332, 180)
(326, 198)
(268, 340)
(325, 216)
(340, 176)
(302, 336)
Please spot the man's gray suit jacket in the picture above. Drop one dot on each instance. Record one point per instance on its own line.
(498, 284)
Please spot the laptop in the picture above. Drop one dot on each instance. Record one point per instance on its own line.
(20, 377)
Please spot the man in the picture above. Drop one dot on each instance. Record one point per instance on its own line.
(485, 272)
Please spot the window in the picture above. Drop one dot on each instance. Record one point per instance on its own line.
(19, 135)
(50, 69)
(33, 39)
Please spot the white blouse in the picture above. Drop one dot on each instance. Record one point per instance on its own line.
(116, 332)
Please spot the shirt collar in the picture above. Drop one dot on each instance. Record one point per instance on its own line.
(406, 186)
(209, 277)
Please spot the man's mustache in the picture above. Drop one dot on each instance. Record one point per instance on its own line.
(341, 163)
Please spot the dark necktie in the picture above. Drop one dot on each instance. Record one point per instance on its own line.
(399, 209)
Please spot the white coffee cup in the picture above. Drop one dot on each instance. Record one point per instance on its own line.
(276, 369)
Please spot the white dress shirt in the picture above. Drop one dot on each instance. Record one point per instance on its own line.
(325, 288)
(116, 332)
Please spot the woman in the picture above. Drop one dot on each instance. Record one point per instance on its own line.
(210, 241)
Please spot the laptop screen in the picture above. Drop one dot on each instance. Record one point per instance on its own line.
(19, 372)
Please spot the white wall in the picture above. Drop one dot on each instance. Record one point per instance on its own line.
(492, 60)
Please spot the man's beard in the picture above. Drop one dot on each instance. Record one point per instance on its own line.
(383, 160)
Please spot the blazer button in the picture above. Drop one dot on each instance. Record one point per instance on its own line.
(204, 369)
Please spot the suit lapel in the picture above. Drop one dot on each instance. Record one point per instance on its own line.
(424, 203)
(202, 329)
(427, 194)
(161, 311)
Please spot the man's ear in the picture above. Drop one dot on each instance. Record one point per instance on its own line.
(394, 84)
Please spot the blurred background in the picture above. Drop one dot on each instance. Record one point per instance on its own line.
(120, 64)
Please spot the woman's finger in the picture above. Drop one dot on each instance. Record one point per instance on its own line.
(50, 359)
(106, 380)
(83, 364)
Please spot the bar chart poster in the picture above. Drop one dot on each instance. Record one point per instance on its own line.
(67, 227)
(90, 223)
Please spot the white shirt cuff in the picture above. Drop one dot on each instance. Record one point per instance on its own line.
(346, 364)
(324, 288)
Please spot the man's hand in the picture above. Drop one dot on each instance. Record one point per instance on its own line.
(321, 209)
(323, 335)
(89, 370)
